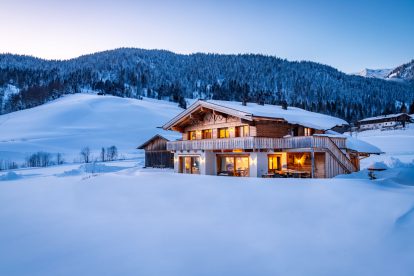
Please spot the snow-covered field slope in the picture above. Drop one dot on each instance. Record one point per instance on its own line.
(133, 221)
(397, 144)
(70, 123)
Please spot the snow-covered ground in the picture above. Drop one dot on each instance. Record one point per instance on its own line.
(72, 122)
(119, 219)
(116, 218)
(397, 144)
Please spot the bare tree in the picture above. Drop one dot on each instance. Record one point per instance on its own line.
(59, 158)
(85, 154)
(103, 154)
(39, 159)
(111, 153)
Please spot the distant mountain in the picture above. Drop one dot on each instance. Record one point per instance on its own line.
(374, 73)
(403, 72)
(129, 72)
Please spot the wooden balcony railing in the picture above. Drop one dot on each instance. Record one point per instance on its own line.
(255, 143)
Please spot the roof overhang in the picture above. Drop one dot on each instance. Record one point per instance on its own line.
(199, 105)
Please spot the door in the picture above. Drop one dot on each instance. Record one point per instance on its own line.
(189, 164)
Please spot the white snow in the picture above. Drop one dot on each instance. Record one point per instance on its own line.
(116, 218)
(398, 144)
(70, 123)
(374, 73)
(154, 222)
(293, 115)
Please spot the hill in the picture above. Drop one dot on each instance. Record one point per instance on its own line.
(72, 122)
(403, 72)
(130, 72)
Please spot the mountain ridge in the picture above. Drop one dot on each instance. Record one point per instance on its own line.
(134, 72)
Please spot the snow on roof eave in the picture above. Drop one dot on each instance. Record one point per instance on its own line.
(239, 113)
(381, 117)
(213, 106)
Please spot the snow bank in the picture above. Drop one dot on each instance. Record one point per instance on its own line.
(91, 168)
(10, 176)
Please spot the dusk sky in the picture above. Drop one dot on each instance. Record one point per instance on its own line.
(349, 35)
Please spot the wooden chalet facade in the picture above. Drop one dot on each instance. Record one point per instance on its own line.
(229, 139)
(385, 121)
(156, 153)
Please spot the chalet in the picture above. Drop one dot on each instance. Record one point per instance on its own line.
(156, 153)
(232, 139)
(385, 121)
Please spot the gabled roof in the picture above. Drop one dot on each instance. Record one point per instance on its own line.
(157, 136)
(250, 111)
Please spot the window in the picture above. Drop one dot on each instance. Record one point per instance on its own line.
(308, 131)
(242, 131)
(192, 135)
(207, 134)
(223, 133)
(233, 165)
(189, 164)
(274, 162)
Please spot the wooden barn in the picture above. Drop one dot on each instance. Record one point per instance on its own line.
(156, 153)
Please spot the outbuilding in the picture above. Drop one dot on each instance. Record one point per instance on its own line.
(156, 153)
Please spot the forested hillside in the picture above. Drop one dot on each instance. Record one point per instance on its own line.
(27, 81)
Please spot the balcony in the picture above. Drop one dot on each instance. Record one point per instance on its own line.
(333, 145)
(257, 143)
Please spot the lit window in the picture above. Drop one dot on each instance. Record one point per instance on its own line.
(192, 135)
(207, 134)
(223, 133)
(308, 131)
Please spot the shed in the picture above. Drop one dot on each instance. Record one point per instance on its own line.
(156, 153)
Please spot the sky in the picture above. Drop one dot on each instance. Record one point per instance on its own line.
(349, 35)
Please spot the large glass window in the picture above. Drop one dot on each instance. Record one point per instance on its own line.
(233, 165)
(223, 133)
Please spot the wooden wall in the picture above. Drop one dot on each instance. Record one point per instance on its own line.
(319, 165)
(159, 159)
(272, 129)
(156, 154)
(332, 167)
(156, 144)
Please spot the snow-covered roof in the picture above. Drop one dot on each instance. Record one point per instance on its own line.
(292, 115)
(361, 146)
(382, 117)
(354, 144)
